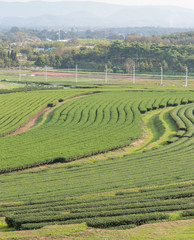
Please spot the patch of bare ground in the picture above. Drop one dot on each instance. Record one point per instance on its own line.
(168, 224)
(163, 228)
(160, 228)
(31, 122)
(57, 237)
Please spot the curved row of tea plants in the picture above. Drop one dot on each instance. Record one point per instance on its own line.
(82, 127)
(123, 208)
(17, 108)
(134, 189)
(174, 163)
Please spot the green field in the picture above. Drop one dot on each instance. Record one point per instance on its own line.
(85, 77)
(113, 157)
(17, 108)
(166, 231)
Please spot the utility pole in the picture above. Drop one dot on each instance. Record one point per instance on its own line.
(76, 73)
(186, 77)
(134, 74)
(161, 76)
(20, 75)
(46, 73)
(106, 75)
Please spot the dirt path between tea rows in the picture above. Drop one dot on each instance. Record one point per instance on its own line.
(31, 122)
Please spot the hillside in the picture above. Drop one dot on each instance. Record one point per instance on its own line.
(87, 14)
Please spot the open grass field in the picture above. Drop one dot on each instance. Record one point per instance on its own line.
(177, 230)
(10, 85)
(98, 164)
(68, 76)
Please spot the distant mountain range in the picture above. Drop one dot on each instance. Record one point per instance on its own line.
(88, 14)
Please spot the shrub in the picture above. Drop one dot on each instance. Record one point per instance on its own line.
(50, 105)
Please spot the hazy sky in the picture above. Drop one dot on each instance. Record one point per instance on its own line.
(182, 3)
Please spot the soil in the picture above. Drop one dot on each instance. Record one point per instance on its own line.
(31, 122)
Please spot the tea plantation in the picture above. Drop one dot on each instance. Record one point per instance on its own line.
(121, 191)
(17, 108)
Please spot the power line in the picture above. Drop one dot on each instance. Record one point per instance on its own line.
(20, 75)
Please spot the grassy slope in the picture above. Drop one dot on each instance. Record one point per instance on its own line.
(9, 85)
(178, 230)
(156, 133)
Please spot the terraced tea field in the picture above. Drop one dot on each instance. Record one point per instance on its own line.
(152, 182)
(17, 108)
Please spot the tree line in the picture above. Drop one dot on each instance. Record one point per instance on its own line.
(174, 52)
(8, 58)
(120, 56)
